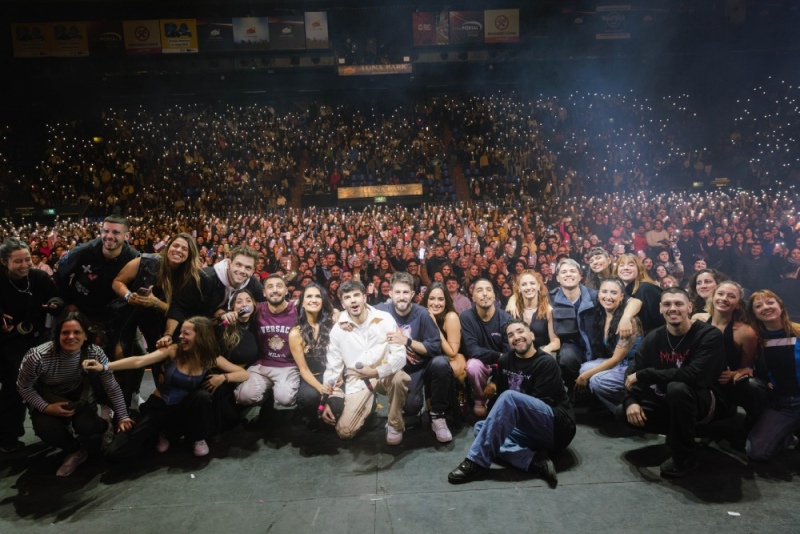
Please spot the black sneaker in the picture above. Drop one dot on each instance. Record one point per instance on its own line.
(674, 468)
(465, 472)
(12, 447)
(542, 466)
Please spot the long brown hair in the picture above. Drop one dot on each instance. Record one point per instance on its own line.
(206, 348)
(231, 335)
(543, 301)
(448, 303)
(170, 280)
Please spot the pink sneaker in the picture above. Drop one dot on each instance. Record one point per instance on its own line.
(439, 427)
(163, 443)
(393, 436)
(72, 462)
(200, 448)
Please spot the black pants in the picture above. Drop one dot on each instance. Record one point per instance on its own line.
(12, 409)
(437, 378)
(308, 397)
(192, 418)
(676, 414)
(55, 431)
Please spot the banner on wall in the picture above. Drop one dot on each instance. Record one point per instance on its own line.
(70, 39)
(375, 70)
(215, 35)
(105, 37)
(250, 33)
(613, 22)
(178, 36)
(34, 39)
(316, 26)
(501, 26)
(466, 27)
(142, 36)
(287, 33)
(430, 28)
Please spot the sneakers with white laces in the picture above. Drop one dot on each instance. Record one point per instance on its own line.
(439, 427)
(72, 462)
(393, 436)
(201, 448)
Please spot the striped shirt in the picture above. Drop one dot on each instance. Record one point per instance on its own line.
(61, 372)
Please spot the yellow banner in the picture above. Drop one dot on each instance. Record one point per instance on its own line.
(367, 191)
(34, 39)
(178, 36)
(70, 39)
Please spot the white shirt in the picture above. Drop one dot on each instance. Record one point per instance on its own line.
(366, 343)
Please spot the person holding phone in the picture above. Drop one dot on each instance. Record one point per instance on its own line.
(27, 295)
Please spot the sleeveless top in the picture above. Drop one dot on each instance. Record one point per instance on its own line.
(541, 333)
(175, 386)
(733, 354)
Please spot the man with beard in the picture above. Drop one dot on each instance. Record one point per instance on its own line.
(359, 346)
(672, 384)
(275, 368)
(531, 416)
(425, 363)
(217, 284)
(85, 273)
(482, 340)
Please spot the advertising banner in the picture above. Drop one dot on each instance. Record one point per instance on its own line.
(105, 37)
(287, 33)
(613, 22)
(466, 27)
(501, 26)
(178, 36)
(215, 35)
(367, 191)
(372, 70)
(70, 39)
(142, 36)
(250, 33)
(34, 39)
(316, 25)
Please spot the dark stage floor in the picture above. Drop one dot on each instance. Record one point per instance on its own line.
(285, 478)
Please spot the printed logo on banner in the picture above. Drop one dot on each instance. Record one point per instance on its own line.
(142, 36)
(178, 36)
(32, 40)
(316, 27)
(466, 27)
(105, 37)
(70, 39)
(251, 33)
(502, 26)
(613, 22)
(287, 33)
(215, 35)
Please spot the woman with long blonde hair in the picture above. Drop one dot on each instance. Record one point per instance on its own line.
(639, 285)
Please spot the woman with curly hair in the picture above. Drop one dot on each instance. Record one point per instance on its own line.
(605, 375)
(702, 285)
(308, 342)
(531, 304)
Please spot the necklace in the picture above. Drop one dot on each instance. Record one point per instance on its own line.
(675, 348)
(27, 289)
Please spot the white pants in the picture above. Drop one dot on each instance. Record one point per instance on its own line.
(283, 380)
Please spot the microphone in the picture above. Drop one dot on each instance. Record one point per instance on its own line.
(323, 400)
(243, 311)
(367, 381)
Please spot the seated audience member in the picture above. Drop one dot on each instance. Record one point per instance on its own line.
(672, 384)
(640, 286)
(61, 400)
(778, 366)
(605, 374)
(461, 302)
(725, 312)
(428, 368)
(482, 340)
(600, 267)
(437, 301)
(274, 368)
(702, 285)
(181, 403)
(308, 342)
(362, 347)
(531, 415)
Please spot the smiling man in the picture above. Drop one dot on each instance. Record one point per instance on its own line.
(360, 347)
(275, 368)
(217, 284)
(531, 416)
(672, 385)
(425, 363)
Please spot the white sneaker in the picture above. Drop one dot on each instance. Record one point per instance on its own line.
(393, 436)
(201, 448)
(163, 444)
(106, 413)
(439, 427)
(72, 462)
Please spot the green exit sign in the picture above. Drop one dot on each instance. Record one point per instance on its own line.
(380, 200)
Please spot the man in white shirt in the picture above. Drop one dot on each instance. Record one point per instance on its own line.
(363, 345)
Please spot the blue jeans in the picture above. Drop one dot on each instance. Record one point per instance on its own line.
(774, 428)
(608, 385)
(517, 426)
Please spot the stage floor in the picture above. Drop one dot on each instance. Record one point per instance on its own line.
(285, 478)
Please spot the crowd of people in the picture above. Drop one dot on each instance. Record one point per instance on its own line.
(671, 309)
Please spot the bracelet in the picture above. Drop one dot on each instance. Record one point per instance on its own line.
(128, 295)
(156, 303)
(408, 342)
(105, 367)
